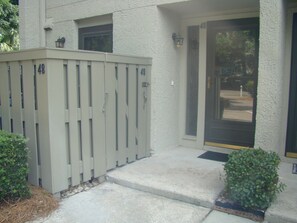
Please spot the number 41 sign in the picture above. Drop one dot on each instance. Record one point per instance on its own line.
(294, 169)
(41, 69)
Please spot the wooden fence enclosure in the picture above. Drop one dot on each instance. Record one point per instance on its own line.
(83, 112)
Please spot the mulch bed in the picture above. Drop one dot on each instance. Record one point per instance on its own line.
(223, 204)
(41, 204)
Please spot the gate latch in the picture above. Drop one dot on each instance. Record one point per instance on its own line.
(145, 84)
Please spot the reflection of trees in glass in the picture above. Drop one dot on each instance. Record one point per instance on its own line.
(235, 52)
(99, 43)
(97, 38)
(236, 57)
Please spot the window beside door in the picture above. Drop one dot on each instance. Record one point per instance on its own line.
(192, 81)
(291, 146)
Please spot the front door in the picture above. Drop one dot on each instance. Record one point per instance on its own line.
(232, 70)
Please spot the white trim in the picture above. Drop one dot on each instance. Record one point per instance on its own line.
(94, 21)
(286, 82)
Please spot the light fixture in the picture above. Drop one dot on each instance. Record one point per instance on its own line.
(177, 39)
(60, 42)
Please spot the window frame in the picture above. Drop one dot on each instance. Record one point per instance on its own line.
(94, 31)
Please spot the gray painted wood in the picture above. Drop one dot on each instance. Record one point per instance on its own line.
(58, 113)
(132, 113)
(16, 108)
(30, 120)
(85, 121)
(110, 86)
(73, 123)
(5, 101)
(122, 107)
(98, 96)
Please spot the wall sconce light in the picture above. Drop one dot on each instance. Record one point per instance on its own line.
(60, 42)
(177, 39)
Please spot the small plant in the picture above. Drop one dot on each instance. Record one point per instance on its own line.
(252, 178)
(250, 87)
(13, 166)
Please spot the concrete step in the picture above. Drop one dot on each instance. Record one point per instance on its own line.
(177, 175)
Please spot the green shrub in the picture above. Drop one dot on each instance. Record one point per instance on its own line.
(252, 178)
(250, 87)
(13, 166)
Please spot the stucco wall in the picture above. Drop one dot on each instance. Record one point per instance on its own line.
(270, 80)
(32, 18)
(142, 28)
(147, 31)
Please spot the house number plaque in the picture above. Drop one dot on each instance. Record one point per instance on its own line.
(294, 169)
(41, 69)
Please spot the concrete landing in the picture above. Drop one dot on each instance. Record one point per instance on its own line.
(176, 174)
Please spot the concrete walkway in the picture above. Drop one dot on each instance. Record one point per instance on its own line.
(176, 174)
(172, 186)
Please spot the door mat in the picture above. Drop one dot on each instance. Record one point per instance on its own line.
(215, 156)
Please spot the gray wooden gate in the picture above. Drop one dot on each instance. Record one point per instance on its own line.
(83, 112)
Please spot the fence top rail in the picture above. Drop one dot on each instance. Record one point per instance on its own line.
(65, 54)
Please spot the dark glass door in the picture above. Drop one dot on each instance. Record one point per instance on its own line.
(232, 73)
(291, 147)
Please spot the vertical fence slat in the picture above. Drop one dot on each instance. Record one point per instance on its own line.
(132, 113)
(122, 150)
(16, 109)
(142, 95)
(29, 118)
(86, 144)
(110, 116)
(98, 102)
(5, 100)
(73, 123)
(148, 113)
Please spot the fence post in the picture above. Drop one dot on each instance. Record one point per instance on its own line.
(51, 116)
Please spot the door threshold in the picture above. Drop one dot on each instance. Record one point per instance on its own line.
(225, 146)
(291, 155)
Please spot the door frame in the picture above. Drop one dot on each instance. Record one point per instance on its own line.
(221, 125)
(199, 140)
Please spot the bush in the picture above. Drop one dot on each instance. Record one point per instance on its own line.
(13, 166)
(252, 178)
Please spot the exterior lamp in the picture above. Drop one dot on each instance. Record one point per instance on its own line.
(177, 39)
(60, 42)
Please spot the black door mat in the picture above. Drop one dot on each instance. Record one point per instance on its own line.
(221, 157)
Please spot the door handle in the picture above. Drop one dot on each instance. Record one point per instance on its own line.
(209, 82)
(145, 84)
(105, 101)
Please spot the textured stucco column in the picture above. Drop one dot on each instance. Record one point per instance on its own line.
(147, 31)
(270, 81)
(32, 19)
